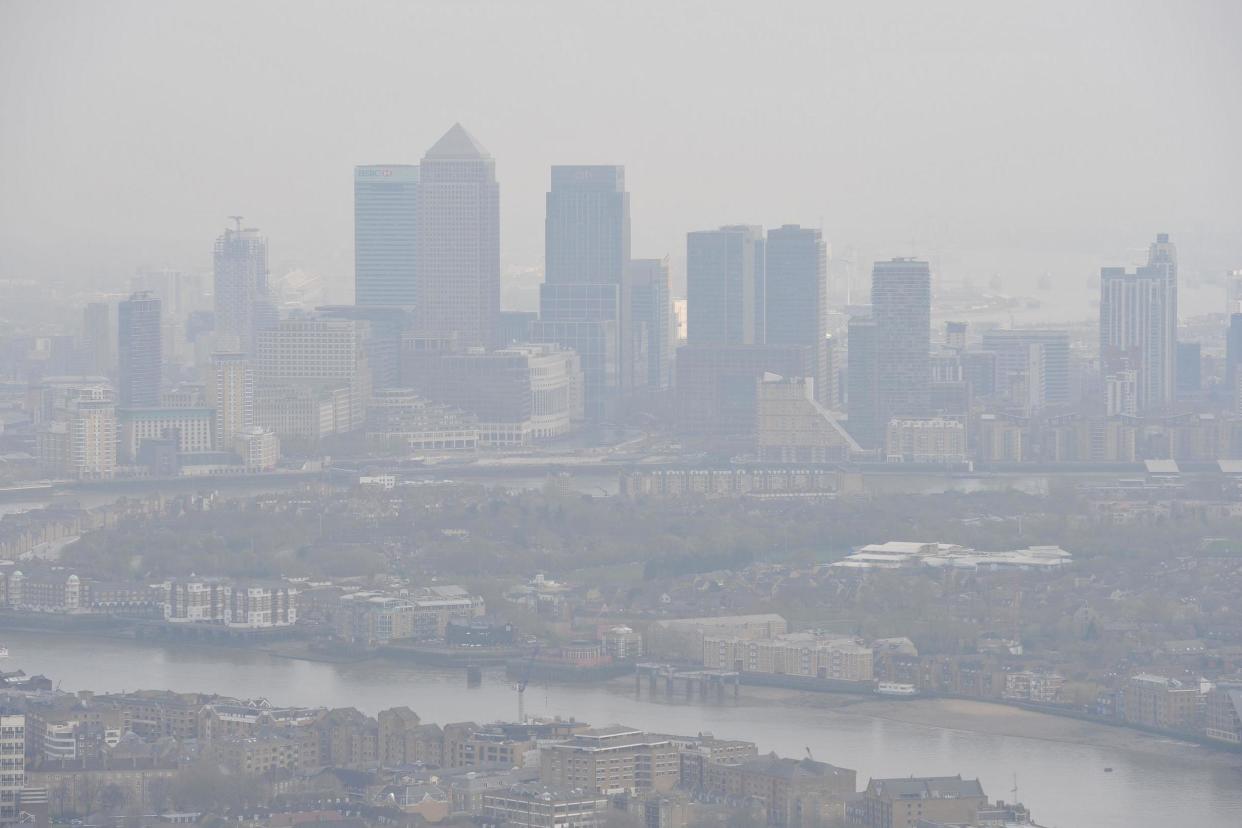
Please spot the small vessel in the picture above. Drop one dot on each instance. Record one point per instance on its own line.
(1108, 770)
(4, 652)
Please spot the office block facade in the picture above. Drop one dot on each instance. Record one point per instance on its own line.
(796, 294)
(901, 308)
(457, 243)
(139, 352)
(385, 227)
(1138, 324)
(724, 282)
(651, 316)
(241, 287)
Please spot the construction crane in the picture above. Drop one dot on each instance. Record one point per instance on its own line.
(522, 682)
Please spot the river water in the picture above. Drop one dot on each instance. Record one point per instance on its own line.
(1162, 785)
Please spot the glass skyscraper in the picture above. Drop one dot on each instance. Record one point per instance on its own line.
(724, 286)
(796, 295)
(901, 308)
(385, 225)
(584, 302)
(651, 306)
(139, 355)
(457, 243)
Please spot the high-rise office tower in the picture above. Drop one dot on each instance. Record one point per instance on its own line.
(241, 289)
(1233, 360)
(796, 295)
(457, 242)
(862, 383)
(179, 294)
(1233, 291)
(96, 343)
(139, 356)
(587, 226)
(724, 286)
(385, 223)
(230, 391)
(584, 302)
(651, 305)
(1018, 350)
(1138, 324)
(1189, 369)
(1233, 347)
(901, 308)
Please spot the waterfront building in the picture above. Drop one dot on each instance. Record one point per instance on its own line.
(1223, 711)
(245, 605)
(1161, 702)
(804, 655)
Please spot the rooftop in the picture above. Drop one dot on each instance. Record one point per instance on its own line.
(457, 144)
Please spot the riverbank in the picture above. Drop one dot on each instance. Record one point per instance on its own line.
(944, 714)
(1154, 785)
(993, 719)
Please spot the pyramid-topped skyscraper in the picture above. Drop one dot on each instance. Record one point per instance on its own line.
(458, 241)
(458, 144)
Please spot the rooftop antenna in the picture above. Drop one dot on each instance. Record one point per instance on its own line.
(237, 220)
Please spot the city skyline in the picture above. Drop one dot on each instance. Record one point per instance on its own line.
(830, 159)
(578, 414)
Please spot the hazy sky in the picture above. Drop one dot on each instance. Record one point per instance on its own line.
(1012, 137)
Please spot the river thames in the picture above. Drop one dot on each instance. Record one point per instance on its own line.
(1060, 775)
